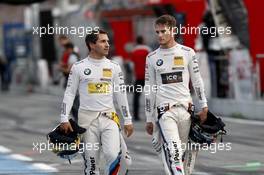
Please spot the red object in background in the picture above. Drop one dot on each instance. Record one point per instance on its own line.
(65, 58)
(88, 14)
(194, 10)
(138, 56)
(256, 35)
(123, 34)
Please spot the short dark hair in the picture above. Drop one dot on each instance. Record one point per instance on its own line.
(140, 40)
(168, 20)
(68, 46)
(93, 37)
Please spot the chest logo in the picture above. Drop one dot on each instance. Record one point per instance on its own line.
(174, 77)
(98, 88)
(159, 62)
(107, 72)
(87, 71)
(178, 61)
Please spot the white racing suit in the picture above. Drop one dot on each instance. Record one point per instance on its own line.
(98, 81)
(167, 77)
(103, 135)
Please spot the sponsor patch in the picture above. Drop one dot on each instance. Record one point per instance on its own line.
(98, 88)
(162, 109)
(151, 54)
(69, 83)
(87, 71)
(196, 69)
(105, 79)
(107, 72)
(78, 62)
(114, 62)
(178, 61)
(177, 153)
(159, 62)
(148, 107)
(174, 77)
(168, 54)
(199, 93)
(63, 108)
(178, 68)
(124, 111)
(93, 165)
(161, 70)
(194, 59)
(185, 48)
(121, 75)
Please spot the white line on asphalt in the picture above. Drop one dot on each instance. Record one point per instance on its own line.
(201, 173)
(4, 149)
(44, 167)
(244, 121)
(20, 157)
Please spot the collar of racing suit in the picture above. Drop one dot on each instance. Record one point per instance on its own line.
(169, 49)
(96, 61)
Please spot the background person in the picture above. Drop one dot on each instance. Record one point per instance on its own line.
(138, 57)
(67, 61)
(65, 67)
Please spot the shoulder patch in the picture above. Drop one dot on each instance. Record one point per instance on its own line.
(114, 62)
(79, 62)
(185, 48)
(152, 53)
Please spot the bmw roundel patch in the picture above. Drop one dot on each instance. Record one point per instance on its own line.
(87, 71)
(159, 62)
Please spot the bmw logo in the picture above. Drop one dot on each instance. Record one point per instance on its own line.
(159, 62)
(87, 71)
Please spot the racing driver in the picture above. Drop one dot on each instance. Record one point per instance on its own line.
(169, 68)
(96, 77)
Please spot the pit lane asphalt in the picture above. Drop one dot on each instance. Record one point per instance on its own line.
(27, 118)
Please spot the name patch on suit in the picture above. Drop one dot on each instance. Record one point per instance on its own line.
(174, 77)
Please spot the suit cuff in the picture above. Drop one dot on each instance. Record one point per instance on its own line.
(64, 119)
(149, 119)
(203, 104)
(128, 122)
